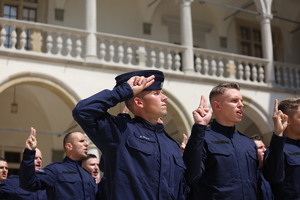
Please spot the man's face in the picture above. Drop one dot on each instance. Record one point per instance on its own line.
(79, 146)
(261, 149)
(92, 166)
(229, 107)
(3, 170)
(38, 159)
(154, 103)
(294, 124)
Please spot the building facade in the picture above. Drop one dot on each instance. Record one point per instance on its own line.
(54, 53)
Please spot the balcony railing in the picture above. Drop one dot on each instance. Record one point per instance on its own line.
(287, 75)
(56, 42)
(138, 52)
(222, 65)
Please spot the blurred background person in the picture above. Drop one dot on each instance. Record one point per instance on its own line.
(264, 191)
(10, 188)
(282, 160)
(62, 180)
(91, 164)
(3, 169)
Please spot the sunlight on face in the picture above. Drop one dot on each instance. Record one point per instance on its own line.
(3, 170)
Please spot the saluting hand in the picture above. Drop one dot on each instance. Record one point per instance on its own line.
(31, 141)
(280, 120)
(202, 114)
(138, 83)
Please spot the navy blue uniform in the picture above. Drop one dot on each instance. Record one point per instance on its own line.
(66, 180)
(282, 167)
(264, 188)
(141, 160)
(221, 163)
(10, 190)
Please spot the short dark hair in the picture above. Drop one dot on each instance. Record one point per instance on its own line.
(88, 156)
(3, 159)
(289, 105)
(221, 88)
(68, 136)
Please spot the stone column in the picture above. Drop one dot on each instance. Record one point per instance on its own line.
(186, 31)
(267, 45)
(91, 27)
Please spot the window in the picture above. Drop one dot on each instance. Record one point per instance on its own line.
(10, 12)
(28, 10)
(20, 9)
(13, 156)
(250, 41)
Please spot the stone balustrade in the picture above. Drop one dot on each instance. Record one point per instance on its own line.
(56, 42)
(287, 75)
(21, 36)
(133, 51)
(223, 65)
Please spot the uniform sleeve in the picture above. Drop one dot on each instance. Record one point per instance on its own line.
(30, 179)
(4, 190)
(194, 154)
(273, 168)
(91, 114)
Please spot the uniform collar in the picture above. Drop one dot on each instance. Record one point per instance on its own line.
(228, 131)
(153, 127)
(292, 141)
(69, 160)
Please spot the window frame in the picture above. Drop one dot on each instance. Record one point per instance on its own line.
(255, 26)
(12, 166)
(40, 6)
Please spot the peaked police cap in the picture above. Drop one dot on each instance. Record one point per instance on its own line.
(158, 80)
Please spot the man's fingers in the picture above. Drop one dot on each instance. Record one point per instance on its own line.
(203, 102)
(33, 131)
(184, 138)
(149, 81)
(276, 106)
(136, 81)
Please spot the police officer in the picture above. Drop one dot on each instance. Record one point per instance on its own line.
(282, 161)
(3, 169)
(10, 188)
(221, 162)
(264, 191)
(91, 165)
(3, 175)
(66, 180)
(141, 160)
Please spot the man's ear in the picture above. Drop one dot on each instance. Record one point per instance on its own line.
(68, 146)
(215, 105)
(138, 102)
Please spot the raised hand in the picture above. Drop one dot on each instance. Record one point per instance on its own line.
(184, 142)
(138, 83)
(202, 114)
(280, 120)
(31, 141)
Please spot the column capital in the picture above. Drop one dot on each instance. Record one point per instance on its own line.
(266, 16)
